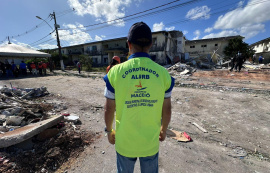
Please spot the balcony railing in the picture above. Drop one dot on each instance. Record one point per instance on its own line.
(93, 52)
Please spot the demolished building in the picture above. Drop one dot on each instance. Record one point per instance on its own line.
(207, 52)
(167, 48)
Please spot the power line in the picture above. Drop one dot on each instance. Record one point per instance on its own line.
(219, 12)
(133, 14)
(39, 25)
(42, 38)
(163, 10)
(157, 12)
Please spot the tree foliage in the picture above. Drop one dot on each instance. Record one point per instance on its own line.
(237, 45)
(86, 62)
(56, 59)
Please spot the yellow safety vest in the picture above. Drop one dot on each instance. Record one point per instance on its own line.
(139, 85)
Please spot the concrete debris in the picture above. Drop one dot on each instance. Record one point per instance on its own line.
(24, 93)
(251, 66)
(36, 132)
(181, 69)
(204, 62)
(13, 120)
(47, 155)
(237, 152)
(22, 119)
(26, 132)
(72, 118)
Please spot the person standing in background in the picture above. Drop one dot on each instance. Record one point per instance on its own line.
(44, 68)
(115, 60)
(23, 68)
(40, 68)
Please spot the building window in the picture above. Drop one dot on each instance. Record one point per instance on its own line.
(154, 42)
(192, 46)
(94, 48)
(106, 46)
(203, 45)
(94, 60)
(105, 60)
(216, 44)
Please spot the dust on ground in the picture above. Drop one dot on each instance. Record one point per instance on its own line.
(237, 122)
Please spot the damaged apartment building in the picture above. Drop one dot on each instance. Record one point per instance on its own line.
(167, 48)
(262, 48)
(207, 51)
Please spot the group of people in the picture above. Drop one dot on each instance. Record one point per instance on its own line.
(41, 67)
(237, 62)
(260, 59)
(9, 70)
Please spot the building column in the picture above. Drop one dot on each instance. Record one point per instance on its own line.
(110, 56)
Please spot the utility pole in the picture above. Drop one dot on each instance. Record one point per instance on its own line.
(58, 41)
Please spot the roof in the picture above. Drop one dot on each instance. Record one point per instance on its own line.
(17, 50)
(259, 42)
(213, 39)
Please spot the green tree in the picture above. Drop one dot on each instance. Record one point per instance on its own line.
(86, 62)
(235, 45)
(56, 59)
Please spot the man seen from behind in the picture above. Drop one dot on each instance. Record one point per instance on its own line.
(139, 90)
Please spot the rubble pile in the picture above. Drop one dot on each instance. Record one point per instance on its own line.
(33, 136)
(27, 93)
(46, 155)
(179, 69)
(16, 112)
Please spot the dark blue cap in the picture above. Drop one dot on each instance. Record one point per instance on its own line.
(140, 34)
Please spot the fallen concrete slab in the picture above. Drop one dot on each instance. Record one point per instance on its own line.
(26, 132)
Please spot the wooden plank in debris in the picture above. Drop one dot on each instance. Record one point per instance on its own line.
(199, 127)
(21, 134)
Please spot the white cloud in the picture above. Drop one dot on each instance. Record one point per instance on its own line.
(208, 30)
(74, 36)
(98, 38)
(245, 31)
(253, 13)
(198, 13)
(25, 45)
(158, 26)
(170, 28)
(197, 33)
(185, 32)
(240, 4)
(105, 10)
(47, 46)
(251, 30)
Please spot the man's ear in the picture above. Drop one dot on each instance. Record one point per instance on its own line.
(129, 46)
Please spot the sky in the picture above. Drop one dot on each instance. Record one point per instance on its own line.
(86, 21)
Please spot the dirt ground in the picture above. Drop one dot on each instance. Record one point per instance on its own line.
(237, 121)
